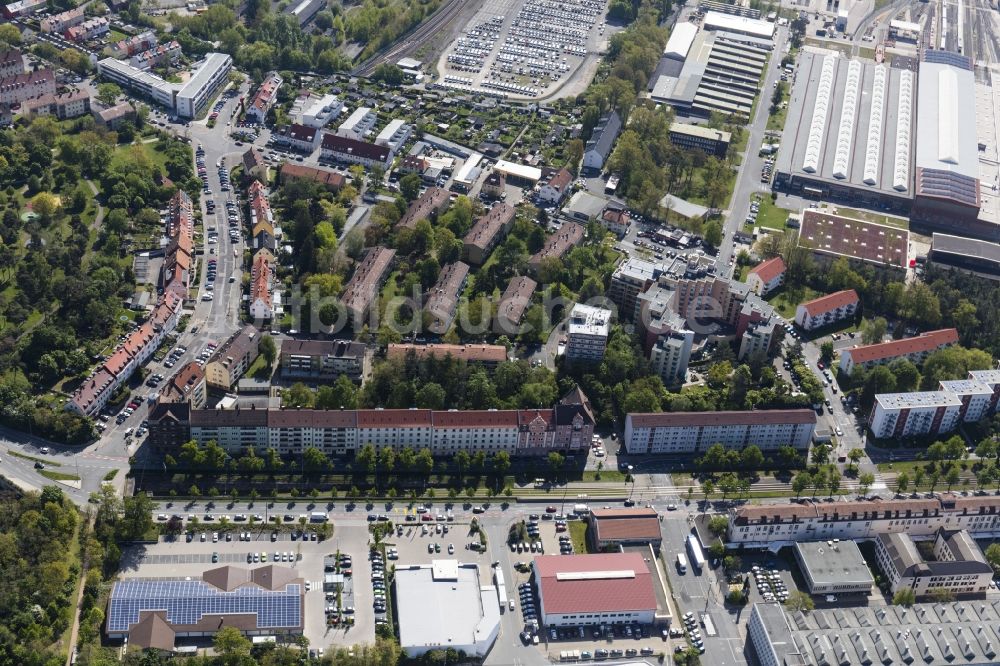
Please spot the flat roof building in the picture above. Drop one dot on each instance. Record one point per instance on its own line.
(695, 432)
(957, 566)
(967, 253)
(608, 588)
(741, 25)
(587, 333)
(850, 132)
(323, 359)
(445, 604)
(206, 80)
(832, 236)
(833, 567)
(712, 141)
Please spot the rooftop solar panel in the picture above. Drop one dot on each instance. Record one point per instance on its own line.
(948, 58)
(187, 601)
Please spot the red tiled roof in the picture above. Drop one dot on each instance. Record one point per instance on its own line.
(487, 226)
(470, 353)
(559, 243)
(837, 299)
(770, 269)
(394, 418)
(626, 524)
(595, 594)
(330, 179)
(755, 417)
(506, 418)
(926, 342)
(560, 179)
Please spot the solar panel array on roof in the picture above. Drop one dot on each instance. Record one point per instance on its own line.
(948, 185)
(948, 58)
(187, 601)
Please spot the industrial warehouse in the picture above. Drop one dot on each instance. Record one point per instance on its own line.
(912, 137)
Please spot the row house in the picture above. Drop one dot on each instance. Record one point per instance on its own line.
(160, 54)
(827, 310)
(261, 301)
(441, 301)
(22, 87)
(59, 22)
(88, 30)
(777, 525)
(128, 47)
(11, 63)
(914, 349)
(352, 151)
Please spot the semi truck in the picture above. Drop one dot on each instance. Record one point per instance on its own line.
(697, 557)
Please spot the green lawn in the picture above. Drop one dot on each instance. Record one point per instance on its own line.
(788, 298)
(58, 476)
(578, 536)
(155, 156)
(259, 369)
(33, 458)
(771, 216)
(776, 121)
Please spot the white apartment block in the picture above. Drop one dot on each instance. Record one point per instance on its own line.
(588, 331)
(394, 135)
(827, 310)
(773, 526)
(958, 565)
(933, 412)
(194, 96)
(359, 124)
(322, 110)
(670, 355)
(695, 432)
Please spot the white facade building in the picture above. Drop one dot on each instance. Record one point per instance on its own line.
(588, 331)
(195, 95)
(694, 432)
(958, 565)
(827, 310)
(321, 111)
(394, 135)
(359, 124)
(670, 355)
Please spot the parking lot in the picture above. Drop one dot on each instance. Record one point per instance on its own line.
(524, 48)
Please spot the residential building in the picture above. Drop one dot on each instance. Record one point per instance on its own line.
(261, 300)
(567, 427)
(488, 231)
(150, 613)
(320, 111)
(431, 203)
(358, 125)
(441, 301)
(695, 432)
(602, 140)
(11, 63)
(395, 135)
(833, 567)
(351, 151)
(113, 116)
(616, 220)
(914, 349)
(602, 589)
(489, 356)
(700, 137)
(233, 358)
(827, 310)
(161, 54)
(187, 385)
(632, 277)
(264, 99)
(445, 603)
(206, 79)
(558, 244)
(22, 8)
(301, 138)
(324, 359)
(19, 88)
(766, 276)
(914, 414)
(555, 189)
(671, 354)
(930, 634)
(587, 333)
(494, 186)
(71, 104)
(362, 290)
(331, 180)
(254, 166)
(513, 304)
(773, 526)
(88, 30)
(135, 44)
(613, 528)
(958, 565)
(57, 23)
(144, 84)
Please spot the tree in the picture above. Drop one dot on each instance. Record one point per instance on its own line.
(941, 595)
(707, 487)
(833, 481)
(992, 555)
(751, 458)
(865, 482)
(873, 330)
(232, 645)
(268, 350)
(826, 352)
(820, 454)
(801, 482)
(409, 186)
(366, 458)
(952, 476)
(799, 601)
(713, 233)
(718, 525)
(108, 93)
(904, 597)
(854, 455)
(918, 477)
(556, 461)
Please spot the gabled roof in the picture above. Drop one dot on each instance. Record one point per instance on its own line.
(153, 631)
(830, 302)
(925, 342)
(362, 149)
(769, 270)
(604, 135)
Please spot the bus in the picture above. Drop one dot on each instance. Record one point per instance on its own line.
(682, 563)
(697, 557)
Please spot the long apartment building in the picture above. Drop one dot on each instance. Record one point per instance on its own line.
(488, 356)
(188, 99)
(233, 358)
(20, 88)
(920, 413)
(695, 432)
(558, 244)
(488, 231)
(432, 202)
(353, 151)
(567, 427)
(362, 290)
(138, 346)
(323, 359)
(67, 105)
(513, 304)
(264, 99)
(914, 349)
(441, 301)
(775, 525)
(827, 310)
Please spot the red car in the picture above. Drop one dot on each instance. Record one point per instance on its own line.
(819, 365)
(550, 509)
(427, 517)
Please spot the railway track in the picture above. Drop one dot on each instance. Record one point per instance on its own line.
(415, 39)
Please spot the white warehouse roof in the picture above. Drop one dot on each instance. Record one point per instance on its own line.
(518, 170)
(740, 24)
(946, 112)
(680, 41)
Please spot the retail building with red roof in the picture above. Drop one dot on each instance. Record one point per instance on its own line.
(605, 588)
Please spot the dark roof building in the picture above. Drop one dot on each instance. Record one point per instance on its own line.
(602, 139)
(610, 528)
